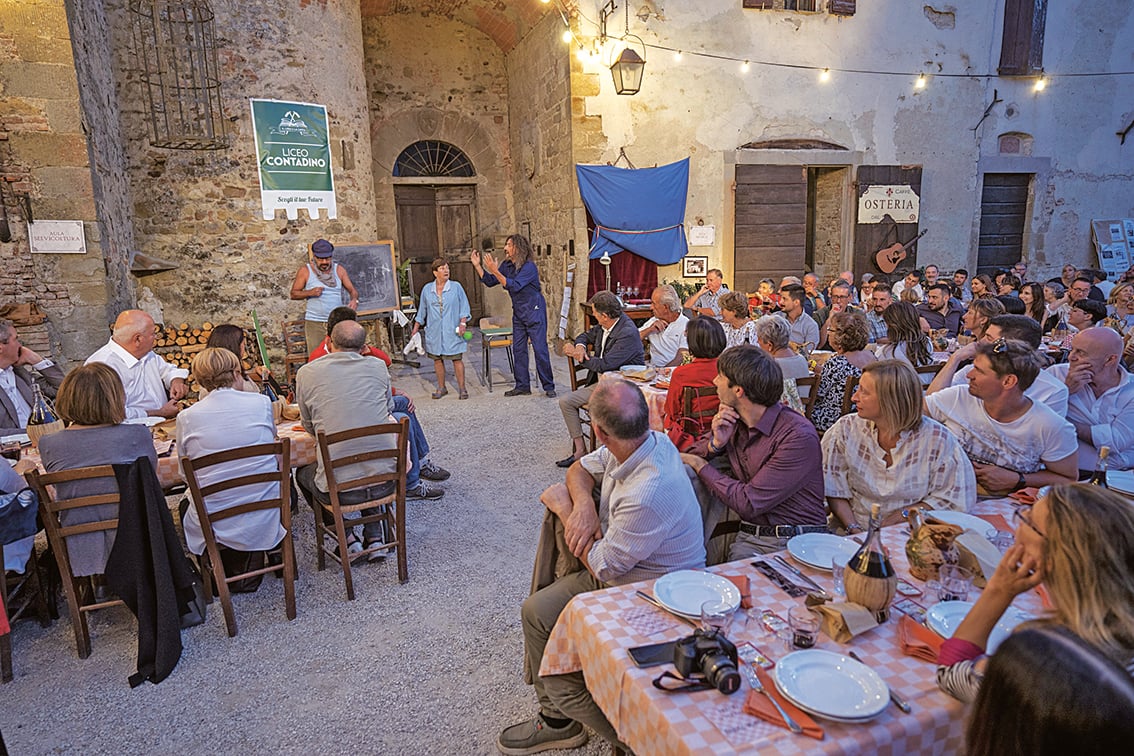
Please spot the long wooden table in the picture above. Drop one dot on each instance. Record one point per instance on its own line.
(596, 628)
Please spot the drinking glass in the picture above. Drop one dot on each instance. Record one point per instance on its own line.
(1003, 540)
(954, 583)
(804, 627)
(838, 570)
(716, 615)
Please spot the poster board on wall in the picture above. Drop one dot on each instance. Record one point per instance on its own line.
(1114, 245)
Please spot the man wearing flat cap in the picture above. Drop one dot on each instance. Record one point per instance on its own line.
(321, 282)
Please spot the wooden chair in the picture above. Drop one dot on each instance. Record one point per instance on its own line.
(34, 597)
(392, 507)
(79, 592)
(282, 503)
(848, 392)
(578, 375)
(811, 383)
(296, 348)
(494, 334)
(928, 372)
(697, 416)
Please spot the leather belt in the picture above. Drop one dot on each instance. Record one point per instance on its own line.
(780, 531)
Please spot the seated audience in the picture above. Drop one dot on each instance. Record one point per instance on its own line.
(16, 364)
(1047, 388)
(881, 298)
(666, 329)
(738, 327)
(706, 342)
(774, 480)
(904, 338)
(1121, 308)
(231, 337)
(813, 300)
(804, 331)
(153, 386)
(707, 299)
(981, 310)
(941, 310)
(1008, 285)
(1055, 308)
(869, 457)
(766, 300)
(1086, 313)
(1013, 305)
(961, 286)
(1101, 401)
(229, 419)
(1012, 441)
(647, 523)
(1078, 541)
(1031, 294)
(614, 342)
(910, 281)
(1048, 693)
(983, 287)
(338, 315)
(773, 336)
(93, 403)
(848, 334)
(840, 295)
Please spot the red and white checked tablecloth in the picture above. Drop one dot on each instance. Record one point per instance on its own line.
(596, 628)
(655, 398)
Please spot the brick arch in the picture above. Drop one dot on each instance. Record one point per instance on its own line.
(393, 134)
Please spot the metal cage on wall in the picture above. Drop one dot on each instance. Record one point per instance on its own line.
(175, 53)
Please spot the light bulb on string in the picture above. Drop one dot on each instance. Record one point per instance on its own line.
(825, 75)
(921, 82)
(581, 54)
(1040, 85)
(677, 56)
(567, 36)
(744, 67)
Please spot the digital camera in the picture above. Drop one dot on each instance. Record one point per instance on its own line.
(708, 654)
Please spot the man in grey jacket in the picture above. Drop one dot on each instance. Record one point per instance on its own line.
(16, 379)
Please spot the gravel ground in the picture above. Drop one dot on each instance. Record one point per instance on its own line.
(430, 667)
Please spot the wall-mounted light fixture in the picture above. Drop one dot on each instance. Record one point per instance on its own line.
(629, 66)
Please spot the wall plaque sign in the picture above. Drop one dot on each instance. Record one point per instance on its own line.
(294, 158)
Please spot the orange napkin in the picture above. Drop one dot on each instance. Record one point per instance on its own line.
(297, 427)
(918, 640)
(997, 521)
(743, 584)
(1025, 495)
(758, 705)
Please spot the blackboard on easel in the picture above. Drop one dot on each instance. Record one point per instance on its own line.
(374, 274)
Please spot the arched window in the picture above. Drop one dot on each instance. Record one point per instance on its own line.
(430, 157)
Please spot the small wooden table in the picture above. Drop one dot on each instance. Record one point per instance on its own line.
(638, 313)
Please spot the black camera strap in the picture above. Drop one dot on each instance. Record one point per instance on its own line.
(686, 686)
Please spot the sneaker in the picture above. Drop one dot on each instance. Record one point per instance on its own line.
(376, 556)
(550, 393)
(536, 735)
(517, 392)
(425, 491)
(430, 471)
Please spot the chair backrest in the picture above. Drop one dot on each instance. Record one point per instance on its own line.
(577, 373)
(848, 392)
(51, 507)
(332, 465)
(493, 321)
(280, 449)
(928, 372)
(295, 338)
(810, 383)
(698, 405)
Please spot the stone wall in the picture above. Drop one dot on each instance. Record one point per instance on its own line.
(43, 154)
(201, 209)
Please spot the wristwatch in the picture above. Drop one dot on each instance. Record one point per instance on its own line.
(1020, 482)
(854, 527)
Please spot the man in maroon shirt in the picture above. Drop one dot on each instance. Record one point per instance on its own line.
(774, 477)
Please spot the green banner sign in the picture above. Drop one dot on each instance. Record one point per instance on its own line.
(294, 158)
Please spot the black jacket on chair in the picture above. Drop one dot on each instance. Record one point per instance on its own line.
(148, 570)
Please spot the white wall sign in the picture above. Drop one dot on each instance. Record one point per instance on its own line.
(899, 201)
(702, 236)
(57, 237)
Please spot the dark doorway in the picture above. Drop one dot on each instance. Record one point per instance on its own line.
(1003, 211)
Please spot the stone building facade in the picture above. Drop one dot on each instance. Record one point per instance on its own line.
(497, 82)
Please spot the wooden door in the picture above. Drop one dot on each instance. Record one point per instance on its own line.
(1003, 210)
(771, 223)
(871, 237)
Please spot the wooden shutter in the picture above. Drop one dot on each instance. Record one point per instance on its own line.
(759, 4)
(771, 223)
(1021, 50)
(841, 7)
(1003, 210)
(871, 237)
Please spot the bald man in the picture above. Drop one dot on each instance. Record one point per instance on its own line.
(153, 386)
(1100, 397)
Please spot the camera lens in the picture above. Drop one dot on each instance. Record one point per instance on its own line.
(721, 672)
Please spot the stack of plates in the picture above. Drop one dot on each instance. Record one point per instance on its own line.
(831, 686)
(962, 520)
(684, 591)
(944, 617)
(817, 549)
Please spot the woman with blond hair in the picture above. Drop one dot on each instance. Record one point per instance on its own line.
(1077, 540)
(868, 455)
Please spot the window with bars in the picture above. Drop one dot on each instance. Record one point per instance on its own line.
(431, 157)
(834, 7)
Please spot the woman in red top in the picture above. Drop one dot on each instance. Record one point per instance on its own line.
(706, 342)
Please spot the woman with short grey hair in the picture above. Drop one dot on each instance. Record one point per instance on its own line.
(772, 334)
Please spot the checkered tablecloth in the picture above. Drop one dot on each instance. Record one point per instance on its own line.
(655, 398)
(596, 628)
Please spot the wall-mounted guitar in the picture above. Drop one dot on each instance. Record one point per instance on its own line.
(889, 258)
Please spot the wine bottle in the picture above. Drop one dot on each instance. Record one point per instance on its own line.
(1099, 476)
(41, 411)
(870, 578)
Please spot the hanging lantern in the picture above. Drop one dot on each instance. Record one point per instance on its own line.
(175, 54)
(627, 72)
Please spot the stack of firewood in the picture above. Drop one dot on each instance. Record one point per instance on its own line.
(178, 343)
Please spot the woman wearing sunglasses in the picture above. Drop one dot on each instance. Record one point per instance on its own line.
(1077, 540)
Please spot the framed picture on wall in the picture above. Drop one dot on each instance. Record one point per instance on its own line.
(694, 267)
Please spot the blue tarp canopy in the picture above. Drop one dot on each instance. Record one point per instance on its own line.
(641, 210)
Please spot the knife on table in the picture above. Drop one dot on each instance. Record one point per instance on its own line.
(651, 600)
(897, 699)
(792, 569)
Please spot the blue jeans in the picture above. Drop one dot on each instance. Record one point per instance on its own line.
(417, 446)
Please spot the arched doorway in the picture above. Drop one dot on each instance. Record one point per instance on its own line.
(435, 200)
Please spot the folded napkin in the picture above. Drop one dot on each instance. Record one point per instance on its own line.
(743, 584)
(1025, 495)
(918, 640)
(841, 621)
(758, 705)
(997, 521)
(978, 555)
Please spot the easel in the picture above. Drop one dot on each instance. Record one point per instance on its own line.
(396, 348)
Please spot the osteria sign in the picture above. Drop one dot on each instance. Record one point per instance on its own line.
(899, 201)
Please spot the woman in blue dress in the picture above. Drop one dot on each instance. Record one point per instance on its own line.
(520, 277)
(443, 310)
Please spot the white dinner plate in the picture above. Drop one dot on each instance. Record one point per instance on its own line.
(831, 685)
(817, 549)
(685, 590)
(632, 368)
(962, 520)
(943, 618)
(21, 437)
(147, 421)
(1121, 481)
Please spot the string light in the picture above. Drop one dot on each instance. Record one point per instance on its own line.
(825, 75)
(921, 82)
(677, 55)
(744, 67)
(1040, 85)
(567, 36)
(581, 54)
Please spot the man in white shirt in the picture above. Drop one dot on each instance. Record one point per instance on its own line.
(15, 380)
(911, 281)
(1047, 389)
(146, 376)
(666, 329)
(1101, 405)
(1012, 441)
(804, 329)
